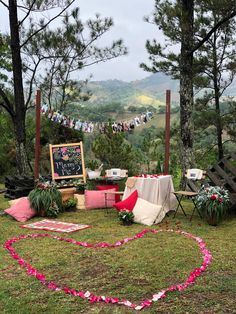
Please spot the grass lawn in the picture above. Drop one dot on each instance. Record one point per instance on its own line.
(133, 271)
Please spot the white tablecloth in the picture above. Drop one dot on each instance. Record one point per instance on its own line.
(155, 190)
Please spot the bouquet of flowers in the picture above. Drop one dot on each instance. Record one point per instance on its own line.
(213, 202)
(126, 217)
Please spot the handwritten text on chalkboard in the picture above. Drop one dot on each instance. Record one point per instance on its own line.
(67, 161)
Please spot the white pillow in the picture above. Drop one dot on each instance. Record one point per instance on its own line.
(145, 212)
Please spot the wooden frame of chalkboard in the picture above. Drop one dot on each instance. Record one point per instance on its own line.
(67, 161)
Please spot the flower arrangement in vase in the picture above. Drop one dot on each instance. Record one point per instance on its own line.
(213, 202)
(46, 199)
(126, 217)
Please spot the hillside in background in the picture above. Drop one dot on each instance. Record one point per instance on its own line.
(149, 91)
(146, 92)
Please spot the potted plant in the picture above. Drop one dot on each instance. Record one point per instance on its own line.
(213, 202)
(126, 217)
(70, 204)
(46, 199)
(93, 169)
(80, 188)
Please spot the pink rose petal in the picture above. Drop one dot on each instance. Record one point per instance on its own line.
(207, 257)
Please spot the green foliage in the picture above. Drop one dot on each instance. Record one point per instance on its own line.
(5, 58)
(167, 16)
(229, 118)
(206, 151)
(46, 200)
(135, 96)
(151, 145)
(69, 182)
(114, 151)
(211, 65)
(215, 64)
(7, 150)
(126, 217)
(99, 112)
(91, 184)
(132, 108)
(92, 164)
(53, 211)
(70, 204)
(121, 267)
(80, 188)
(213, 202)
(58, 51)
(56, 133)
(69, 48)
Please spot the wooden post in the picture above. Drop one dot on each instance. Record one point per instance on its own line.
(167, 133)
(37, 137)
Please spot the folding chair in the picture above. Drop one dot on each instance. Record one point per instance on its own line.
(192, 176)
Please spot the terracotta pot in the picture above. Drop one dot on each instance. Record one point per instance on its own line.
(212, 220)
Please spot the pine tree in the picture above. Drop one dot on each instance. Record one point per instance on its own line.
(114, 151)
(215, 63)
(34, 46)
(176, 20)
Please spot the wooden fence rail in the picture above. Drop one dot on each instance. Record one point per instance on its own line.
(224, 174)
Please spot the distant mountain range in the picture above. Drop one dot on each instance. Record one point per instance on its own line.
(149, 91)
(145, 92)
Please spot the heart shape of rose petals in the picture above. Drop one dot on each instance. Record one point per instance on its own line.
(94, 298)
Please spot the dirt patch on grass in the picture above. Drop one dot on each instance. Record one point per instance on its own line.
(212, 302)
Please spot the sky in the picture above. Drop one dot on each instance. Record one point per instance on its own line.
(129, 25)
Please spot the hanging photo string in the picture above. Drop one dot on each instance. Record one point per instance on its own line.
(90, 126)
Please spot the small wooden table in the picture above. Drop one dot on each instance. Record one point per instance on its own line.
(67, 193)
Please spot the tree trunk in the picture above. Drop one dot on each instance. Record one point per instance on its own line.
(20, 110)
(23, 165)
(219, 136)
(217, 103)
(218, 123)
(186, 87)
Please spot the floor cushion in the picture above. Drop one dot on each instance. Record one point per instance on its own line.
(96, 199)
(21, 210)
(80, 201)
(108, 187)
(12, 202)
(145, 212)
(127, 203)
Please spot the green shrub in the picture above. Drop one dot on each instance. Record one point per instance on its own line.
(70, 204)
(126, 217)
(46, 200)
(53, 211)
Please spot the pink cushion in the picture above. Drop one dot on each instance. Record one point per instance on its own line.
(96, 199)
(108, 187)
(21, 210)
(128, 203)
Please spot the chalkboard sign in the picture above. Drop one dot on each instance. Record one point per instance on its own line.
(67, 161)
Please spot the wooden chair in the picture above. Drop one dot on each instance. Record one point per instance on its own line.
(193, 178)
(110, 193)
